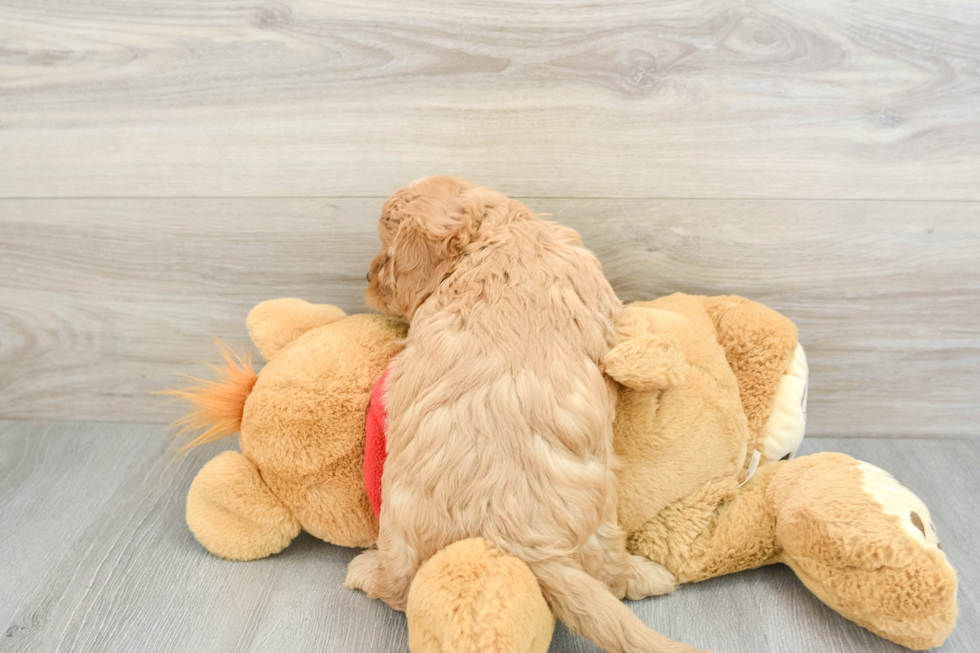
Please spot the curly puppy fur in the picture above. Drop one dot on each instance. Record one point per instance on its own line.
(500, 420)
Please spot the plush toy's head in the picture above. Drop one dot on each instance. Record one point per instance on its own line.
(304, 423)
(302, 432)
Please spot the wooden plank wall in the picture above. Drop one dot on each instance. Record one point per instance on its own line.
(165, 166)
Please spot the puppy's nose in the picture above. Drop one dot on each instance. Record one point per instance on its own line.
(369, 276)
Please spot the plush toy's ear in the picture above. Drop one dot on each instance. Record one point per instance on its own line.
(234, 514)
(275, 323)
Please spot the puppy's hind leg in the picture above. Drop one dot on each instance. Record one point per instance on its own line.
(398, 563)
(627, 575)
(647, 578)
(362, 573)
(385, 573)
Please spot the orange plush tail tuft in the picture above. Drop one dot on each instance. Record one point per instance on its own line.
(217, 405)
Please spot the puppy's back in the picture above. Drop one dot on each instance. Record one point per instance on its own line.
(498, 406)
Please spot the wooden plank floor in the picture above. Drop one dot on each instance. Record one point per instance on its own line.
(95, 556)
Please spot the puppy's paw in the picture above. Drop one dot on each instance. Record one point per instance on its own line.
(361, 573)
(647, 578)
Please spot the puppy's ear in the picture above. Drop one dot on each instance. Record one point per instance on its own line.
(449, 226)
(452, 223)
(420, 257)
(432, 232)
(478, 207)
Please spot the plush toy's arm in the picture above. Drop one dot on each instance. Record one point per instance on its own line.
(647, 362)
(648, 356)
(275, 323)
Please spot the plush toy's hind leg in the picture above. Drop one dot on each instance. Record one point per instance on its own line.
(865, 545)
(234, 514)
(716, 531)
(472, 598)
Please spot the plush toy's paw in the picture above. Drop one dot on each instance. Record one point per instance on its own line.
(275, 323)
(361, 573)
(647, 578)
(472, 598)
(650, 361)
(865, 545)
(234, 514)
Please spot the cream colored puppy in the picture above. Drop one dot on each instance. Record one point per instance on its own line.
(500, 420)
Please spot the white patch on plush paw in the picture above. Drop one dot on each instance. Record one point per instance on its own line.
(784, 431)
(896, 499)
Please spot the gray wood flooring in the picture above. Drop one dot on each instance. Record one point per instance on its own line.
(95, 556)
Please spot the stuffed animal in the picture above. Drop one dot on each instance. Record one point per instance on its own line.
(711, 412)
(301, 424)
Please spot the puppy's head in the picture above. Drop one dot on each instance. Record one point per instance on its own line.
(425, 230)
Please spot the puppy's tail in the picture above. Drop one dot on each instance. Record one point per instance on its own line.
(216, 406)
(589, 609)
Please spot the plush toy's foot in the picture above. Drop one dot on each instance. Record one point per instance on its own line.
(865, 545)
(472, 598)
(234, 514)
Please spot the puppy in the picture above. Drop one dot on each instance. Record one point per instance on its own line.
(500, 420)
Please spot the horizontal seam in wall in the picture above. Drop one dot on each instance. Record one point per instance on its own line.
(526, 197)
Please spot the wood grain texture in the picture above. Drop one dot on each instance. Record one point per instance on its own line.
(96, 556)
(104, 301)
(621, 98)
(123, 123)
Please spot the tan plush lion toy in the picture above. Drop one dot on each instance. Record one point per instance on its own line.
(711, 412)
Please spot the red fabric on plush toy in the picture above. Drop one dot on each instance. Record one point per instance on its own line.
(374, 445)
